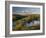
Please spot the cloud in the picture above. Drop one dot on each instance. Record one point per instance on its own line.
(26, 10)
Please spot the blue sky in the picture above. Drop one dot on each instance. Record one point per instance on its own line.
(25, 9)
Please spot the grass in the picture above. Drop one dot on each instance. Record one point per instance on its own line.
(37, 27)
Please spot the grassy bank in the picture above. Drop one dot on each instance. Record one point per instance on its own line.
(21, 20)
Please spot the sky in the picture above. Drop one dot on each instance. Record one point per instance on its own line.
(25, 10)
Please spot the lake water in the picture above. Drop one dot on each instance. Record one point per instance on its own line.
(28, 24)
(31, 23)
